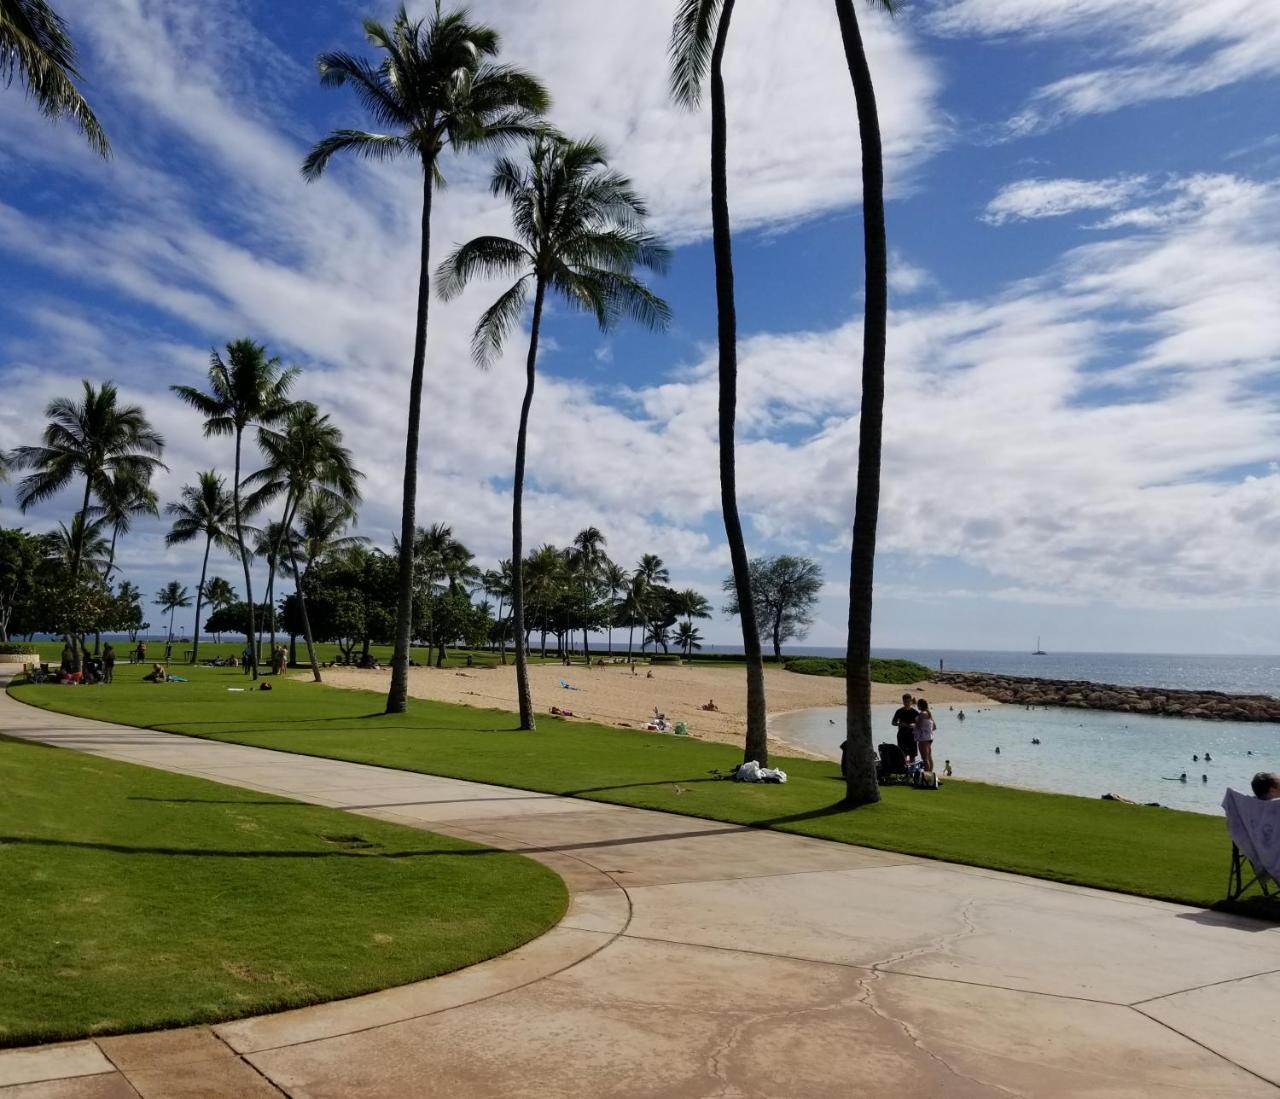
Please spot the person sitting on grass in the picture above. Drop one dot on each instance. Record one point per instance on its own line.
(156, 675)
(1266, 786)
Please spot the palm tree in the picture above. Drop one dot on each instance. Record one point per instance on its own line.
(541, 580)
(581, 236)
(634, 607)
(307, 465)
(247, 389)
(205, 508)
(96, 438)
(269, 545)
(698, 39)
(692, 604)
(169, 598)
(127, 495)
(83, 537)
(860, 777)
(688, 637)
(589, 544)
(34, 43)
(435, 88)
(615, 580)
(219, 593)
(497, 582)
(654, 572)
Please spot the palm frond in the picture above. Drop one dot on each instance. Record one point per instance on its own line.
(496, 322)
(368, 146)
(490, 257)
(693, 35)
(35, 43)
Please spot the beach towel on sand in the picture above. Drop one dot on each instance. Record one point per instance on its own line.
(1254, 825)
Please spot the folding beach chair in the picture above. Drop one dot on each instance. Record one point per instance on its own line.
(1254, 827)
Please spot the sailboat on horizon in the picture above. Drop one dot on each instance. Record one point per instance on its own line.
(1039, 651)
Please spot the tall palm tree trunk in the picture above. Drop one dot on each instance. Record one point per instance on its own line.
(306, 620)
(860, 779)
(757, 740)
(398, 694)
(517, 529)
(195, 633)
(250, 637)
(77, 549)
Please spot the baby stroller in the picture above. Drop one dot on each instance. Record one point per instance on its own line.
(892, 766)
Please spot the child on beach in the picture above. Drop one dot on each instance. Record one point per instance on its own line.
(925, 727)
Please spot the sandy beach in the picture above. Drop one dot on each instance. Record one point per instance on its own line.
(612, 695)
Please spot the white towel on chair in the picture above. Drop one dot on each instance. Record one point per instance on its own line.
(1254, 825)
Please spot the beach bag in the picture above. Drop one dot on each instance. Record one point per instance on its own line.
(925, 780)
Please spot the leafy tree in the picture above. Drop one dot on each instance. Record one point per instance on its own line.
(859, 754)
(435, 88)
(74, 608)
(218, 593)
(699, 36)
(35, 44)
(127, 614)
(169, 598)
(204, 509)
(20, 557)
(96, 438)
(785, 589)
(246, 389)
(581, 235)
(234, 618)
(308, 465)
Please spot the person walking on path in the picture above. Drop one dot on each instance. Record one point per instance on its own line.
(904, 720)
(925, 727)
(108, 662)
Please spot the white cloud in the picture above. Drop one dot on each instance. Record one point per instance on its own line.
(1154, 49)
(1046, 198)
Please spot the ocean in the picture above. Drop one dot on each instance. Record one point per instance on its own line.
(1085, 752)
(1233, 674)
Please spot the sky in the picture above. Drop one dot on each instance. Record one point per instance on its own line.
(1082, 426)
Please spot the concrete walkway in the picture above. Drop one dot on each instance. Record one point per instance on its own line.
(702, 959)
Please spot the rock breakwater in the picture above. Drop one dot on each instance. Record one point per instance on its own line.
(1025, 691)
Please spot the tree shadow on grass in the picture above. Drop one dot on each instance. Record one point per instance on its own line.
(206, 852)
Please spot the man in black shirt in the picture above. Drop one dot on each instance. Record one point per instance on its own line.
(904, 720)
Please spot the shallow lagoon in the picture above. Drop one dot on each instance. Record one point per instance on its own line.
(1086, 752)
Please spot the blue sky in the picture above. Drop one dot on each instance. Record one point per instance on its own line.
(1082, 398)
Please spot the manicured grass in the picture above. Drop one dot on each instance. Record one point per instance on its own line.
(1152, 852)
(882, 670)
(135, 899)
(51, 651)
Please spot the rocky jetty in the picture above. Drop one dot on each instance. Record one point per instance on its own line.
(1025, 691)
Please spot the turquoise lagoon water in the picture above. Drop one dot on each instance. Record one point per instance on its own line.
(1085, 752)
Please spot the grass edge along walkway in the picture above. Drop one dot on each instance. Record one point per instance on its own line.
(138, 899)
(1159, 853)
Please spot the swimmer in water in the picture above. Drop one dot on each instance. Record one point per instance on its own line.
(997, 751)
(1182, 777)
(1204, 778)
(1208, 758)
(960, 716)
(1195, 759)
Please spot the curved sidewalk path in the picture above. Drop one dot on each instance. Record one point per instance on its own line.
(704, 959)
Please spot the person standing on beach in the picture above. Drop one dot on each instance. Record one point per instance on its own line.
(924, 729)
(108, 662)
(904, 720)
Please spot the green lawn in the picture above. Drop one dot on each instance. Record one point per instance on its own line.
(1152, 852)
(135, 899)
